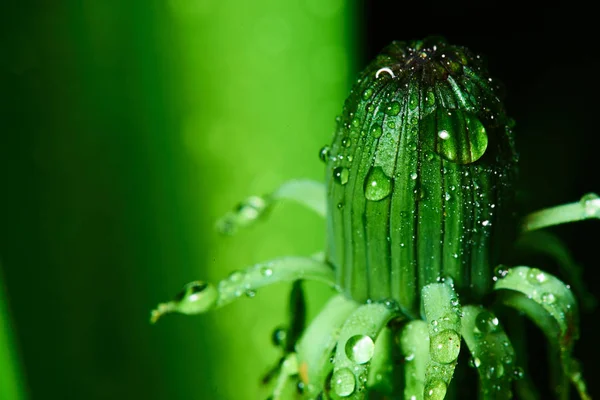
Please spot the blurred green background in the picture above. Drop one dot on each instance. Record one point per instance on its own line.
(129, 127)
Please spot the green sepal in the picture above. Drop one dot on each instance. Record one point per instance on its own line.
(315, 347)
(310, 194)
(414, 345)
(442, 313)
(356, 348)
(550, 304)
(198, 297)
(492, 351)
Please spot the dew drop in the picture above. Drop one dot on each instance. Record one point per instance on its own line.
(360, 349)
(250, 293)
(413, 102)
(485, 223)
(343, 382)
(486, 322)
(278, 337)
(445, 346)
(413, 176)
(463, 138)
(536, 276)
(447, 197)
(236, 276)
(196, 297)
(391, 124)
(377, 184)
(435, 390)
(346, 142)
(591, 205)
(376, 131)
(341, 175)
(367, 93)
(548, 298)
(430, 98)
(393, 108)
(266, 272)
(325, 153)
(518, 373)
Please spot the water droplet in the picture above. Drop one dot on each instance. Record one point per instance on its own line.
(475, 362)
(485, 223)
(413, 176)
(486, 322)
(250, 293)
(340, 206)
(278, 337)
(443, 134)
(360, 349)
(393, 108)
(548, 298)
(346, 142)
(376, 131)
(391, 124)
(367, 93)
(536, 276)
(463, 138)
(429, 156)
(518, 373)
(377, 184)
(447, 197)
(445, 346)
(236, 276)
(435, 390)
(343, 382)
(196, 297)
(266, 271)
(324, 153)
(430, 98)
(413, 102)
(591, 205)
(341, 175)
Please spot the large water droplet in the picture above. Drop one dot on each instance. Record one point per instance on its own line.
(341, 175)
(367, 93)
(435, 390)
(324, 153)
(548, 298)
(377, 184)
(393, 108)
(360, 349)
(343, 382)
(536, 276)
(591, 204)
(196, 297)
(486, 322)
(445, 346)
(376, 131)
(460, 136)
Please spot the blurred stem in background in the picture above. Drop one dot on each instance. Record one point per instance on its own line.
(11, 381)
(264, 81)
(128, 128)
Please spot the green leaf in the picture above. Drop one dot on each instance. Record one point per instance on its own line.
(414, 345)
(316, 345)
(550, 304)
(198, 297)
(492, 351)
(442, 312)
(356, 348)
